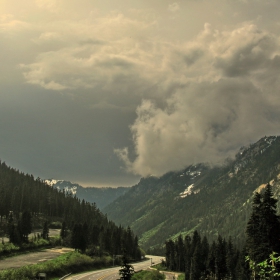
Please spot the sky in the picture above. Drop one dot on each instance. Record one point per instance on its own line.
(102, 92)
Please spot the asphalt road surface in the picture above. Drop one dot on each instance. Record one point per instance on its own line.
(113, 273)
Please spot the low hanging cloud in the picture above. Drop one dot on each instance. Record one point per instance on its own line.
(226, 96)
(174, 7)
(202, 99)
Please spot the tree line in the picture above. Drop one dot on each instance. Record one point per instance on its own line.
(221, 259)
(27, 204)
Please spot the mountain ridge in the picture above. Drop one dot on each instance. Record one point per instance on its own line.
(100, 196)
(212, 199)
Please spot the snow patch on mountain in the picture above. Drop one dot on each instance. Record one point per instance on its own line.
(188, 191)
(52, 182)
(71, 189)
(192, 174)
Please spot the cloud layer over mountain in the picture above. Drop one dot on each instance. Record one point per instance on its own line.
(225, 91)
(156, 84)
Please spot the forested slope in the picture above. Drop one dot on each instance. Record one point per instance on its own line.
(27, 203)
(213, 200)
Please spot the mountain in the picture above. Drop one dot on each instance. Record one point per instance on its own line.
(213, 200)
(101, 196)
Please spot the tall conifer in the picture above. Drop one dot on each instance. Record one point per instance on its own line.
(263, 228)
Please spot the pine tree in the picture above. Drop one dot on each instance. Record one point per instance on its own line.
(270, 222)
(170, 255)
(220, 258)
(254, 236)
(211, 261)
(204, 254)
(263, 228)
(230, 259)
(25, 225)
(63, 231)
(45, 233)
(126, 270)
(187, 245)
(180, 254)
(195, 271)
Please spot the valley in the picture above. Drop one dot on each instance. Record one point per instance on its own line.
(212, 200)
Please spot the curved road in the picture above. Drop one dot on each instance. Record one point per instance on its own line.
(113, 273)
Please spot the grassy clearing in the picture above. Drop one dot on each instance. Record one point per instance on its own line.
(9, 249)
(71, 262)
(148, 275)
(160, 267)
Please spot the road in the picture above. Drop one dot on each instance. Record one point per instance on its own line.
(113, 273)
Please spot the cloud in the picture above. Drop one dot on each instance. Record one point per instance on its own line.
(224, 101)
(97, 53)
(174, 7)
(205, 90)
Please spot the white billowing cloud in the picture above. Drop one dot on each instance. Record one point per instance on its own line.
(174, 7)
(102, 52)
(226, 97)
(202, 98)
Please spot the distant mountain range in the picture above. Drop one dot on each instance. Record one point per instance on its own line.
(214, 200)
(101, 196)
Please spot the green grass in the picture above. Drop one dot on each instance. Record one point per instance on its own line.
(9, 249)
(148, 275)
(163, 268)
(73, 262)
(181, 277)
(148, 234)
(160, 267)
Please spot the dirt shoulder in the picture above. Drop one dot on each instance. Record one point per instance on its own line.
(32, 258)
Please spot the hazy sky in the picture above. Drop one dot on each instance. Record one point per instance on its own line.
(101, 92)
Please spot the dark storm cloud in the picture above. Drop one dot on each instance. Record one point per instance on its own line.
(151, 80)
(57, 137)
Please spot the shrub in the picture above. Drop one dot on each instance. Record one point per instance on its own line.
(148, 275)
(71, 262)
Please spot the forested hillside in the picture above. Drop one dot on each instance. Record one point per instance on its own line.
(258, 259)
(27, 203)
(213, 200)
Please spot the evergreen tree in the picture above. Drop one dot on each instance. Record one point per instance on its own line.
(270, 222)
(263, 228)
(180, 254)
(63, 231)
(230, 259)
(195, 270)
(211, 261)
(25, 225)
(126, 270)
(220, 259)
(204, 255)
(45, 233)
(188, 256)
(84, 237)
(76, 236)
(170, 255)
(254, 235)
